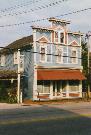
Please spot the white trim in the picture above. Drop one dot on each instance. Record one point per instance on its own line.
(74, 49)
(58, 47)
(67, 55)
(43, 37)
(51, 53)
(74, 41)
(67, 39)
(34, 44)
(43, 46)
(35, 92)
(59, 31)
(51, 37)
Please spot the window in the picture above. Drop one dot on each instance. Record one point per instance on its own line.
(59, 37)
(2, 60)
(74, 56)
(59, 55)
(73, 86)
(43, 54)
(56, 36)
(43, 86)
(15, 57)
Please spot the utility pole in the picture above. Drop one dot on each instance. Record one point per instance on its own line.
(88, 36)
(18, 78)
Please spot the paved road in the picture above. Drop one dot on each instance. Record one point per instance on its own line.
(61, 119)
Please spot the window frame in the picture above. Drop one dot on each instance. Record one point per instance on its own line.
(59, 37)
(45, 47)
(75, 57)
(42, 82)
(2, 60)
(57, 48)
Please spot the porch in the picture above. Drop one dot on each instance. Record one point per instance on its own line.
(8, 86)
(56, 84)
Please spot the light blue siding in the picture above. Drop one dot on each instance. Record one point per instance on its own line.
(72, 37)
(28, 73)
(46, 34)
(66, 56)
(9, 63)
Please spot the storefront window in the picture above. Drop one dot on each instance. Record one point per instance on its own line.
(43, 86)
(74, 85)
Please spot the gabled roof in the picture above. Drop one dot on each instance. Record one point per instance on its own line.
(20, 43)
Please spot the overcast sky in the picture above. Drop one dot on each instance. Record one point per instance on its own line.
(16, 11)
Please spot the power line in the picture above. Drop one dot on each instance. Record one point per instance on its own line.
(44, 19)
(35, 9)
(18, 6)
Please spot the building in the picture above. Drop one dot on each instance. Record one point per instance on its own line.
(45, 65)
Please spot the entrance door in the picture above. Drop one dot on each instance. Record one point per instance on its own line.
(64, 88)
(56, 88)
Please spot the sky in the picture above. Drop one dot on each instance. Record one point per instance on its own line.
(21, 11)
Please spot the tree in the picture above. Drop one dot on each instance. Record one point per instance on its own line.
(85, 63)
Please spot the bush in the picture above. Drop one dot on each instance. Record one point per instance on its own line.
(12, 96)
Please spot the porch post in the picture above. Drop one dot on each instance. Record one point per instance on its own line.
(61, 88)
(55, 88)
(80, 89)
(51, 89)
(67, 89)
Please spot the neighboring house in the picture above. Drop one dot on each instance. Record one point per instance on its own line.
(45, 65)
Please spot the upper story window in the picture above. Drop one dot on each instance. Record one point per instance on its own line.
(2, 60)
(42, 53)
(59, 36)
(59, 57)
(16, 57)
(74, 56)
(56, 36)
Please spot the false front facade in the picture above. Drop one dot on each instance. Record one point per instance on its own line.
(57, 61)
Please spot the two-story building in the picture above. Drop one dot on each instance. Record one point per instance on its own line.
(47, 64)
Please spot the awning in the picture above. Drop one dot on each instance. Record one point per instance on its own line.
(60, 75)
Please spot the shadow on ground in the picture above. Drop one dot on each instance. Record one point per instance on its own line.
(43, 120)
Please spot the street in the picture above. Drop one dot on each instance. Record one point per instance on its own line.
(53, 119)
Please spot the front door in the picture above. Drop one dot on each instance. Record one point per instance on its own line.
(56, 88)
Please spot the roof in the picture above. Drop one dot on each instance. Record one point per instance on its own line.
(75, 33)
(58, 20)
(59, 75)
(42, 28)
(8, 74)
(25, 41)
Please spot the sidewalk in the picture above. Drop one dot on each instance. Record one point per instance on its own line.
(9, 106)
(6, 106)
